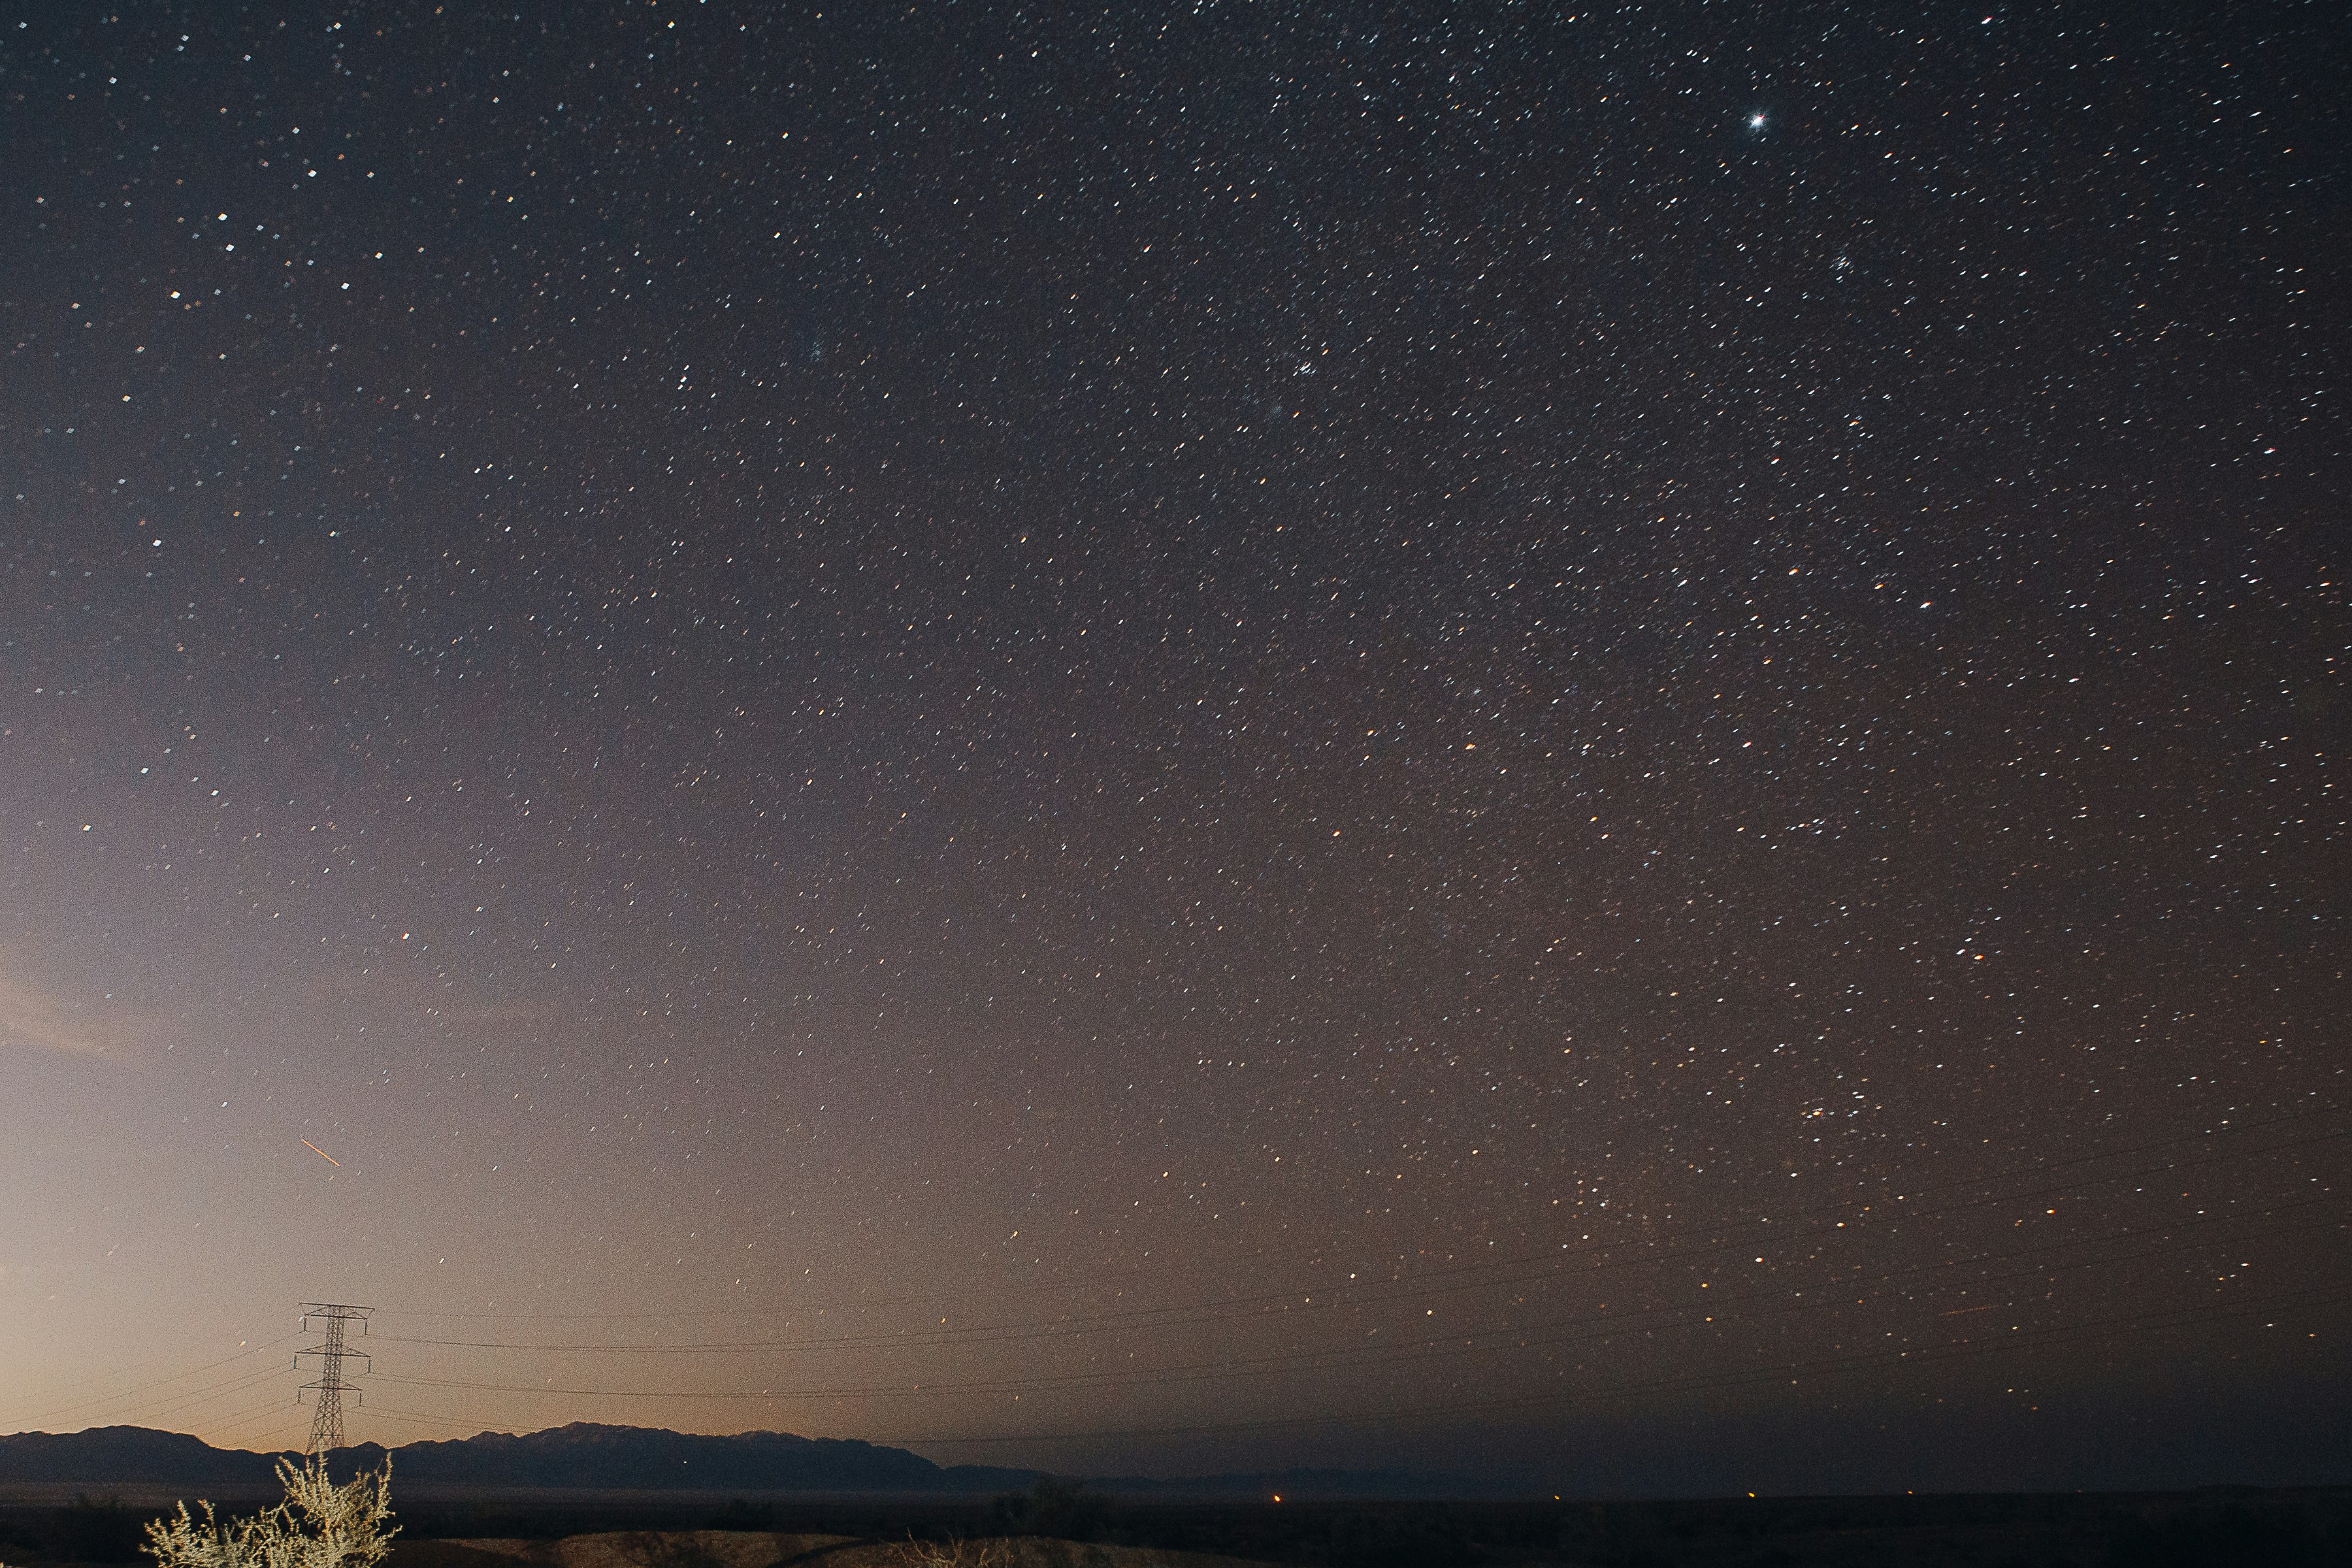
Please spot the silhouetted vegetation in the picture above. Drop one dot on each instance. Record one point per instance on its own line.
(2297, 1529)
(318, 1525)
(1052, 1506)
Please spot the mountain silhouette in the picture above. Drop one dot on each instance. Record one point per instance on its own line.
(581, 1455)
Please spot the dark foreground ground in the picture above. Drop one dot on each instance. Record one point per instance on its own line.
(2287, 1529)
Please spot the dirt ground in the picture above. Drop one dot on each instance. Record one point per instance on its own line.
(757, 1549)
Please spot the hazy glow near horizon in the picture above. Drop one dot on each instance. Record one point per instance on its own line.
(1169, 746)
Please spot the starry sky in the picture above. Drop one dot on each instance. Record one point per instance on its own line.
(1599, 744)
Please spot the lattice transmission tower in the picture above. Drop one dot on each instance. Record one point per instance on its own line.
(326, 1410)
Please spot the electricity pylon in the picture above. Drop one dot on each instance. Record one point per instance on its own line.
(326, 1414)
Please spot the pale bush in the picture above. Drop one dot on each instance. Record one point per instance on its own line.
(319, 1525)
(953, 1552)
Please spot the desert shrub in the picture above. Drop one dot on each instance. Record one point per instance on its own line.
(319, 1525)
(952, 1554)
(1052, 1506)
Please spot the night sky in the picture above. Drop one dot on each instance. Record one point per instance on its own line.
(1602, 745)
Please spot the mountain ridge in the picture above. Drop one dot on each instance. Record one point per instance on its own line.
(590, 1456)
(584, 1455)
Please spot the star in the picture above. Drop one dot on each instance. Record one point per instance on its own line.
(970, 621)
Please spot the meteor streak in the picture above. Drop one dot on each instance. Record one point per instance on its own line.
(323, 1154)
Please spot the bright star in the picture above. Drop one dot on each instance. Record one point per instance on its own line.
(1755, 122)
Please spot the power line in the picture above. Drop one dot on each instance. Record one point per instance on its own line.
(132, 1391)
(254, 1415)
(196, 1398)
(1452, 1411)
(1561, 1331)
(1693, 1242)
(1337, 1294)
(1828, 1207)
